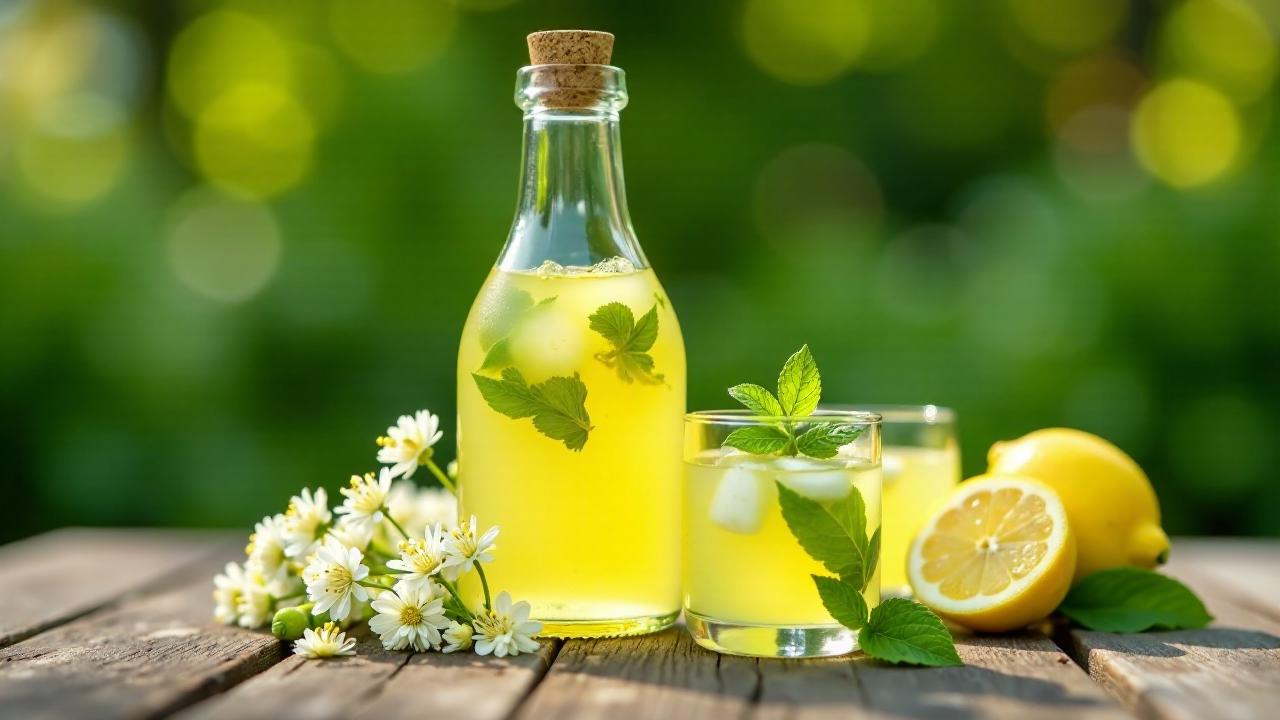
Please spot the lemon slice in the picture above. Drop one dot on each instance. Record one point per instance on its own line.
(996, 556)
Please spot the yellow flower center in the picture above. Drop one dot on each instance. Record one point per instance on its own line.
(410, 615)
(492, 625)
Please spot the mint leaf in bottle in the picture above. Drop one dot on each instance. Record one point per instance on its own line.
(631, 340)
(903, 631)
(1130, 599)
(557, 405)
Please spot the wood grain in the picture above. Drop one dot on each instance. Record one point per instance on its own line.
(58, 576)
(1004, 677)
(145, 657)
(1229, 670)
(663, 675)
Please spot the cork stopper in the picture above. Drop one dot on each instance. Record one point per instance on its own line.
(570, 47)
(575, 77)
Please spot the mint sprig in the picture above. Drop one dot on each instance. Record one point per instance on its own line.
(835, 533)
(1130, 599)
(631, 340)
(557, 405)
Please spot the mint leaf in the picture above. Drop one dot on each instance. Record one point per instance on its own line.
(873, 558)
(499, 355)
(1130, 599)
(631, 340)
(557, 405)
(843, 601)
(902, 631)
(824, 440)
(758, 439)
(799, 384)
(756, 399)
(834, 534)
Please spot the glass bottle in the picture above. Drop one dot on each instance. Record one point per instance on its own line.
(571, 373)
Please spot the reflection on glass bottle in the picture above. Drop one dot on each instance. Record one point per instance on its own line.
(571, 373)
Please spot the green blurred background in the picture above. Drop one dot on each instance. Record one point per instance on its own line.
(238, 238)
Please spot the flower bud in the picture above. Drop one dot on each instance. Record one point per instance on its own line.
(289, 623)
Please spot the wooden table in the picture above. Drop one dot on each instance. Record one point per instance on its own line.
(117, 623)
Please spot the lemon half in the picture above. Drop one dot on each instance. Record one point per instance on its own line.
(998, 555)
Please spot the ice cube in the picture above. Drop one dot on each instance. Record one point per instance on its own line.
(547, 342)
(550, 268)
(739, 501)
(813, 479)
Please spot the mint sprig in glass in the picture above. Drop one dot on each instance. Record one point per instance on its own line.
(782, 515)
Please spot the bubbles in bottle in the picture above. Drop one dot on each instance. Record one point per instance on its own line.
(611, 266)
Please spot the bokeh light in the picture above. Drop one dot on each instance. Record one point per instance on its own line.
(255, 139)
(1224, 42)
(1186, 133)
(807, 43)
(815, 192)
(901, 31)
(392, 36)
(222, 247)
(77, 149)
(221, 50)
(1069, 27)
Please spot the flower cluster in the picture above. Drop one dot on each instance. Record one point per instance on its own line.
(392, 554)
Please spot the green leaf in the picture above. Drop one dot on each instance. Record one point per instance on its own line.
(873, 558)
(499, 355)
(756, 399)
(757, 439)
(902, 631)
(631, 341)
(834, 534)
(843, 601)
(799, 384)
(557, 405)
(1129, 599)
(824, 440)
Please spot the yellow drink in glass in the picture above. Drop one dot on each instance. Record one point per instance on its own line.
(589, 537)
(747, 581)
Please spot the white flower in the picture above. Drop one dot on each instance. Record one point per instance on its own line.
(415, 508)
(266, 548)
(420, 559)
(457, 637)
(408, 441)
(366, 499)
(463, 550)
(333, 579)
(258, 594)
(326, 642)
(305, 522)
(409, 616)
(228, 586)
(506, 629)
(351, 534)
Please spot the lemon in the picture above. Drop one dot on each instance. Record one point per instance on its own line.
(998, 555)
(1109, 500)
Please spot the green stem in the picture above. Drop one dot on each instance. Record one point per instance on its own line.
(441, 476)
(484, 583)
(454, 592)
(386, 513)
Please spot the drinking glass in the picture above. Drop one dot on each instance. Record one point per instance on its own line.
(921, 462)
(747, 584)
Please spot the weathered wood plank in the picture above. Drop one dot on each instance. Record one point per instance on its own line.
(144, 657)
(1004, 677)
(52, 578)
(460, 686)
(382, 684)
(664, 675)
(1251, 568)
(1229, 670)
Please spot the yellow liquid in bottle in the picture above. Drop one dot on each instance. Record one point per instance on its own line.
(916, 481)
(742, 563)
(591, 537)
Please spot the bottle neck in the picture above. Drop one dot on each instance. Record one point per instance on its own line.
(572, 206)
